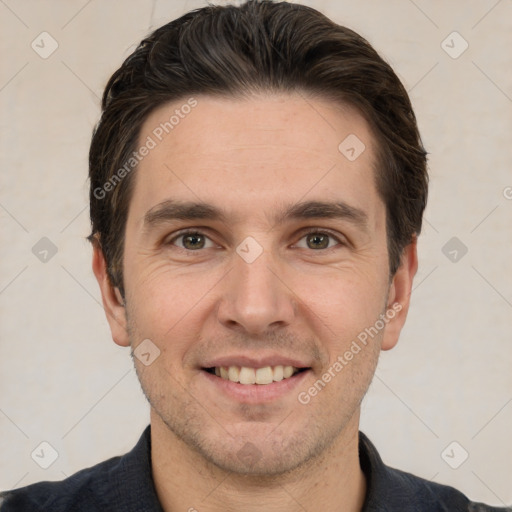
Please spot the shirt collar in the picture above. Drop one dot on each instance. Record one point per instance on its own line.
(389, 489)
(133, 483)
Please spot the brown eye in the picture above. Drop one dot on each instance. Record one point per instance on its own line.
(317, 240)
(194, 241)
(191, 241)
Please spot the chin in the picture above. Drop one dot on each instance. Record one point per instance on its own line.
(263, 450)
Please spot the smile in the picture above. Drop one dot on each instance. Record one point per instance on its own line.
(247, 376)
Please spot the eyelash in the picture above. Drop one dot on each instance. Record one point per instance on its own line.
(310, 231)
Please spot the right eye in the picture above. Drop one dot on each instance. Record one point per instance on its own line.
(190, 240)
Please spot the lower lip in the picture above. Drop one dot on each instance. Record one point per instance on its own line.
(256, 393)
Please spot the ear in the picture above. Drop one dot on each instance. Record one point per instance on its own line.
(400, 295)
(113, 303)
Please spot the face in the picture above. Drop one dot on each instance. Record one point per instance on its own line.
(255, 248)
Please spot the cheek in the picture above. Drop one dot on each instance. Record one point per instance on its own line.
(166, 302)
(345, 301)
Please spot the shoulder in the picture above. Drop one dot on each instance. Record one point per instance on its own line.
(119, 484)
(427, 496)
(391, 489)
(85, 490)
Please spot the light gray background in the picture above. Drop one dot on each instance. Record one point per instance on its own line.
(62, 379)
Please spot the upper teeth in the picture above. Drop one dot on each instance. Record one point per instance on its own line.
(245, 375)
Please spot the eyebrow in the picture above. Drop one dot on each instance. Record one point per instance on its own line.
(170, 210)
(323, 210)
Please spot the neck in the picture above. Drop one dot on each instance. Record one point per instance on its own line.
(184, 480)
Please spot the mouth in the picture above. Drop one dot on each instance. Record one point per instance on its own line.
(249, 376)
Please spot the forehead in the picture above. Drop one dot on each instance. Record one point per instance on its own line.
(242, 154)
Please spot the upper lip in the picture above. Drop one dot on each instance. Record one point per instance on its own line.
(255, 362)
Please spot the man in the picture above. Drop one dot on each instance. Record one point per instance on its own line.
(257, 188)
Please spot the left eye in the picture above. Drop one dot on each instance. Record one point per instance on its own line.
(318, 240)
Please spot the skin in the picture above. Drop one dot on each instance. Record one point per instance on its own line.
(252, 158)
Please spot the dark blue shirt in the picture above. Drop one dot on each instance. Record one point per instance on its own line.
(125, 484)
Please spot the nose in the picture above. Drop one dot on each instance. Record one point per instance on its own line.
(256, 297)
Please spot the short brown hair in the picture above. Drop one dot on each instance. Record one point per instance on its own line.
(260, 46)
